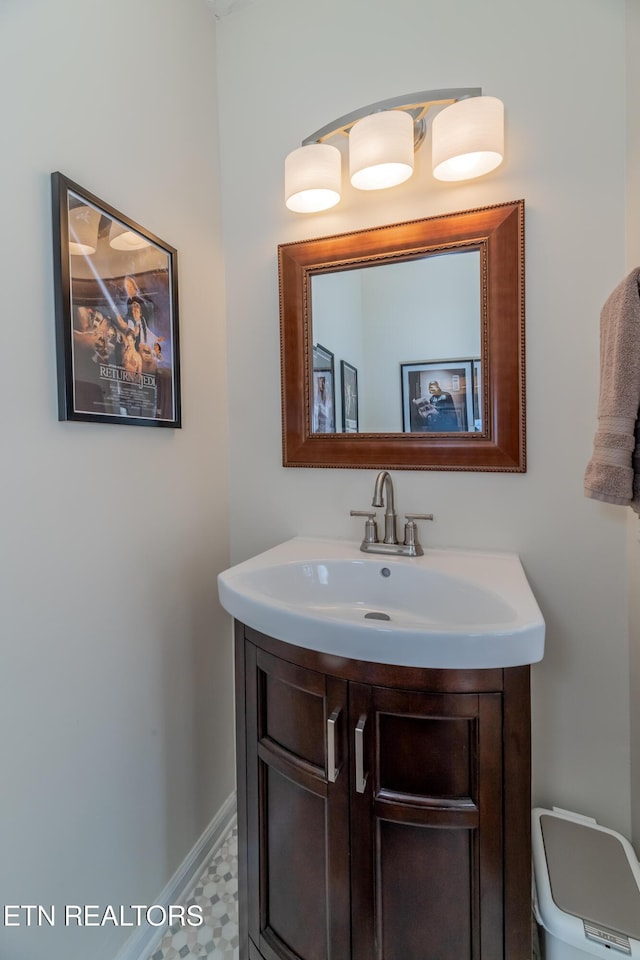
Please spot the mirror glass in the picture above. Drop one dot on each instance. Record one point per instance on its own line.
(403, 346)
(405, 342)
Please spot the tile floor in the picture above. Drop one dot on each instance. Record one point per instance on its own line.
(217, 893)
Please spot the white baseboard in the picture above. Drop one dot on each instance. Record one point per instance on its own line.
(144, 941)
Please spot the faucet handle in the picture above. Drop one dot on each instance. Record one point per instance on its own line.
(370, 527)
(411, 532)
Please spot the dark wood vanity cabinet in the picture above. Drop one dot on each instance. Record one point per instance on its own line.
(383, 812)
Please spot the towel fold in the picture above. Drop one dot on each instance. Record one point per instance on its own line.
(613, 473)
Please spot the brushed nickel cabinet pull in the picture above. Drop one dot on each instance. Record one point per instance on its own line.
(361, 776)
(332, 722)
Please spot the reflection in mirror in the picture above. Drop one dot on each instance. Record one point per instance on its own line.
(441, 397)
(382, 321)
(403, 347)
(323, 417)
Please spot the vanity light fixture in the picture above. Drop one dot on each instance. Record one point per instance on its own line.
(467, 141)
(121, 238)
(381, 150)
(83, 230)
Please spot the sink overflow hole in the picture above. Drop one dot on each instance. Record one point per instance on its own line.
(377, 616)
(385, 572)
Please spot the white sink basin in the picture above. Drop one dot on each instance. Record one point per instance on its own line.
(454, 609)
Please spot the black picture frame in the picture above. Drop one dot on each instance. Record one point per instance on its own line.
(116, 313)
(323, 412)
(349, 386)
(478, 398)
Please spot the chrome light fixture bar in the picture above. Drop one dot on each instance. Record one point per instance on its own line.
(467, 142)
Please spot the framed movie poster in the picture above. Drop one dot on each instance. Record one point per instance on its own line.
(116, 299)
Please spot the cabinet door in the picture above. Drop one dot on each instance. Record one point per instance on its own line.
(426, 821)
(298, 803)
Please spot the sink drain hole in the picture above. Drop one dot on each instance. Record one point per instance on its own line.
(377, 616)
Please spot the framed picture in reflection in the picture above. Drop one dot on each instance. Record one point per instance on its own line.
(437, 396)
(349, 384)
(477, 395)
(323, 419)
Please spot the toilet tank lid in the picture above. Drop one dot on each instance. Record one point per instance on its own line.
(593, 872)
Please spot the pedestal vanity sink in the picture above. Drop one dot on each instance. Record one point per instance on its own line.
(383, 750)
(454, 609)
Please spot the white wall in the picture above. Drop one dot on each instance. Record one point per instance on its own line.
(115, 686)
(633, 523)
(287, 67)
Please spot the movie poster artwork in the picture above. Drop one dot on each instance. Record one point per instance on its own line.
(117, 323)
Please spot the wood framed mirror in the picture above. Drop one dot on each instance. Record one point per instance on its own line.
(427, 319)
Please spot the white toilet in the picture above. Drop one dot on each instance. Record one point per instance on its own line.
(586, 888)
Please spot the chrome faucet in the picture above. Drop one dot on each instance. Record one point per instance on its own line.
(383, 497)
(384, 487)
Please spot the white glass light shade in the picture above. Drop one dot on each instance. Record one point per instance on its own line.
(468, 139)
(83, 230)
(381, 150)
(312, 178)
(121, 238)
